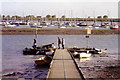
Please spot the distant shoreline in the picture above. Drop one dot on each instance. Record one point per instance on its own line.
(43, 31)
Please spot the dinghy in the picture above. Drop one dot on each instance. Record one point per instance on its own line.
(84, 55)
(46, 60)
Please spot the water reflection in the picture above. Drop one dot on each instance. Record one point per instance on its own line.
(85, 59)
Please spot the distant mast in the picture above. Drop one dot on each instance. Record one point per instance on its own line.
(109, 16)
(94, 18)
(36, 32)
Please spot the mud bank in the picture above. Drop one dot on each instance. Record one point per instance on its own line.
(31, 72)
(42, 31)
(104, 66)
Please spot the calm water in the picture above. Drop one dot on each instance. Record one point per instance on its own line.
(12, 46)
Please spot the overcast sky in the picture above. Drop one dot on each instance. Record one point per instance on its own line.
(70, 8)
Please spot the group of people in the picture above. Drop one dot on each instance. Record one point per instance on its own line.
(61, 41)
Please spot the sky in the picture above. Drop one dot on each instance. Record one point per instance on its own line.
(69, 8)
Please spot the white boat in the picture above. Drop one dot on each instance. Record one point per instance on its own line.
(62, 27)
(11, 26)
(76, 54)
(77, 26)
(97, 27)
(82, 24)
(32, 25)
(115, 27)
(84, 55)
(51, 25)
(44, 26)
(39, 26)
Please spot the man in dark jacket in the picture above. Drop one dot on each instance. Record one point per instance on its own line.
(59, 42)
(34, 44)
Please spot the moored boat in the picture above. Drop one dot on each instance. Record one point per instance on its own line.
(42, 51)
(82, 24)
(10, 26)
(76, 54)
(62, 27)
(45, 60)
(84, 55)
(86, 52)
(50, 53)
(107, 27)
(115, 27)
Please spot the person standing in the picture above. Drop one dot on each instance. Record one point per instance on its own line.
(63, 43)
(34, 44)
(53, 46)
(59, 42)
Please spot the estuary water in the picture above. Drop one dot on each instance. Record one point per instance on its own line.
(14, 61)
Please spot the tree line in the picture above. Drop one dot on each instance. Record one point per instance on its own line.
(54, 18)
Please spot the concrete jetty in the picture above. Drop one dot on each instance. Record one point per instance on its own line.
(63, 66)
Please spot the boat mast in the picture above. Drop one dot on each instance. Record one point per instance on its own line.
(36, 32)
(94, 18)
(71, 17)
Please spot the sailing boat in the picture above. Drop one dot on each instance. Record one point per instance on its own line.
(37, 50)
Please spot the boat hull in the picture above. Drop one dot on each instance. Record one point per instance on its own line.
(29, 51)
(84, 55)
(114, 28)
(46, 60)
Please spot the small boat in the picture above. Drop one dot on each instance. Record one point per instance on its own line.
(46, 60)
(62, 27)
(76, 54)
(44, 26)
(33, 25)
(107, 27)
(97, 27)
(82, 24)
(100, 51)
(115, 27)
(50, 53)
(10, 26)
(84, 55)
(39, 26)
(40, 50)
(76, 51)
(77, 26)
